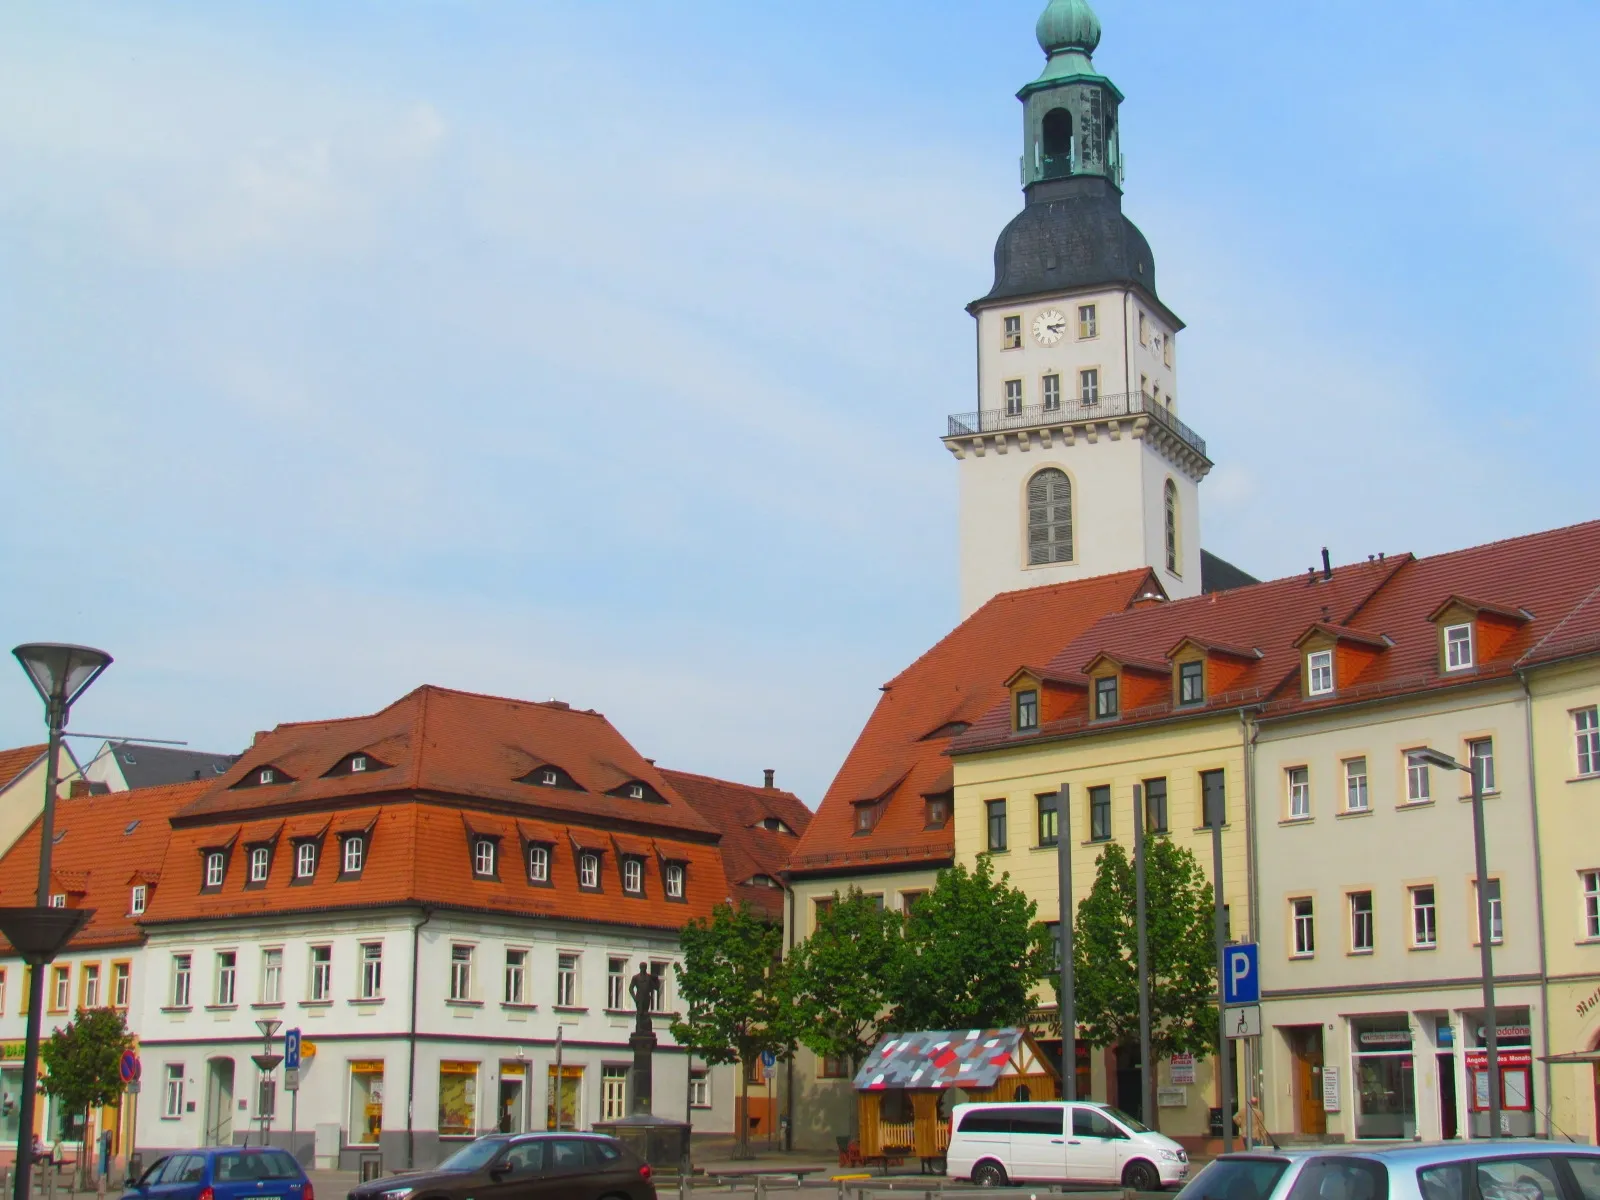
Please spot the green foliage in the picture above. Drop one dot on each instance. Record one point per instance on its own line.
(838, 984)
(82, 1059)
(972, 954)
(1183, 982)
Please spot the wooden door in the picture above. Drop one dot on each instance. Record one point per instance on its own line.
(1305, 1043)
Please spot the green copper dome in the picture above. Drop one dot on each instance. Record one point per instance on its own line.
(1068, 25)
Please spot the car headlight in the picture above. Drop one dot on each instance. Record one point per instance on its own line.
(1170, 1155)
(399, 1193)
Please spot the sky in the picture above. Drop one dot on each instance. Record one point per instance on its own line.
(600, 350)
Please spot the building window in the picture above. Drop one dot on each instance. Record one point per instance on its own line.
(1166, 356)
(1424, 918)
(539, 864)
(1089, 386)
(1048, 819)
(267, 775)
(1171, 495)
(1417, 778)
(305, 860)
(458, 1099)
(1028, 709)
(567, 981)
(516, 976)
(1105, 696)
(483, 857)
(589, 870)
(1013, 397)
(1088, 321)
(866, 816)
(371, 970)
(227, 978)
(996, 810)
(460, 972)
(1144, 331)
(613, 1093)
(1480, 756)
(1051, 387)
(181, 968)
(1457, 647)
(354, 854)
(215, 862)
(699, 1089)
(1049, 517)
(91, 985)
(1100, 813)
(1213, 798)
(1011, 339)
(1155, 806)
(1590, 881)
(366, 1102)
(616, 983)
(547, 777)
(1319, 672)
(1192, 683)
(60, 989)
(674, 881)
(1298, 780)
(358, 762)
(1355, 785)
(1305, 927)
(272, 975)
(58, 900)
(136, 901)
(321, 973)
(121, 985)
(260, 857)
(1586, 721)
(1497, 926)
(172, 1103)
(937, 811)
(833, 1066)
(633, 876)
(1361, 930)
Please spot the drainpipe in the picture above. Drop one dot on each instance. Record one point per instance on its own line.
(411, 1042)
(1538, 902)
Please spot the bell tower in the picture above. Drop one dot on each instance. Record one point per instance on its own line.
(1075, 462)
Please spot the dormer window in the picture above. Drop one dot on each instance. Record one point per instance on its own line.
(358, 763)
(538, 864)
(1192, 683)
(589, 870)
(260, 860)
(674, 881)
(775, 824)
(58, 899)
(1105, 697)
(355, 854)
(633, 876)
(1319, 673)
(305, 860)
(766, 881)
(136, 901)
(216, 868)
(1027, 709)
(937, 812)
(483, 857)
(636, 791)
(267, 775)
(1457, 647)
(867, 815)
(547, 777)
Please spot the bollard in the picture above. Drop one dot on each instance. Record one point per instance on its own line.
(683, 1185)
(841, 1189)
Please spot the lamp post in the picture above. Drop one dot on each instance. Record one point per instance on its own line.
(1491, 1023)
(60, 674)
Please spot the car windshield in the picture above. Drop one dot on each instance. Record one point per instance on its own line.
(1236, 1179)
(1132, 1123)
(256, 1164)
(475, 1156)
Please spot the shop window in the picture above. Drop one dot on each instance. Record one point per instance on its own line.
(562, 1097)
(366, 1102)
(458, 1099)
(1385, 1078)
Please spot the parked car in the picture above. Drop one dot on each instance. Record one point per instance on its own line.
(1476, 1170)
(223, 1173)
(1052, 1141)
(529, 1166)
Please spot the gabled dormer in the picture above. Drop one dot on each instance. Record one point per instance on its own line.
(1474, 631)
(1335, 657)
(359, 762)
(1202, 669)
(1039, 696)
(551, 776)
(1121, 683)
(266, 775)
(637, 789)
(867, 808)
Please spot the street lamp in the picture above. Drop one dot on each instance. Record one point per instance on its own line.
(1491, 1024)
(60, 674)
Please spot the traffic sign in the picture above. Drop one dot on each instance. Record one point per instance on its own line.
(130, 1069)
(291, 1079)
(291, 1049)
(768, 1059)
(1244, 1021)
(1241, 980)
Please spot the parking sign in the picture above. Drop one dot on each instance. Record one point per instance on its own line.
(1241, 981)
(291, 1049)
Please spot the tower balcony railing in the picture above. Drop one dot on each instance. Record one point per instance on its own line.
(1074, 412)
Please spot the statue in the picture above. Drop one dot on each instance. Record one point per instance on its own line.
(644, 988)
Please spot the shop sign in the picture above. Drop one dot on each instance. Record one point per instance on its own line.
(366, 1066)
(1386, 1037)
(1585, 1006)
(1183, 1069)
(1172, 1097)
(458, 1068)
(1509, 1032)
(1478, 1060)
(1330, 1089)
(10, 1050)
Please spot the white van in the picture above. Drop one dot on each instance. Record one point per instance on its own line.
(1051, 1141)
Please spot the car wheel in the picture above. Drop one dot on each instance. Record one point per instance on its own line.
(1141, 1177)
(989, 1174)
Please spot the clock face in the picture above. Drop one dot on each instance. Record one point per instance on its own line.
(1049, 326)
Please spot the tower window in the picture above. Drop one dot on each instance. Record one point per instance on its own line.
(1144, 331)
(1089, 386)
(1049, 517)
(1013, 397)
(1052, 393)
(1172, 526)
(1056, 131)
(1012, 340)
(1088, 321)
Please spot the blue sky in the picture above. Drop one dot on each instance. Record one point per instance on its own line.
(600, 350)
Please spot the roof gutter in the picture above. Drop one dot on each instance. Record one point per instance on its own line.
(1538, 893)
(411, 1042)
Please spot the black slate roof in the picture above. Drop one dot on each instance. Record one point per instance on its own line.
(1220, 575)
(157, 766)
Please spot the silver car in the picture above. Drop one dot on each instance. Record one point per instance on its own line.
(1478, 1170)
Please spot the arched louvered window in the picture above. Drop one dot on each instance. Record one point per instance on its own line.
(1049, 517)
(1172, 527)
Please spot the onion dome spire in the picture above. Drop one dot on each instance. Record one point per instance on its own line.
(1068, 25)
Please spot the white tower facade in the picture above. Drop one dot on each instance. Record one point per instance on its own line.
(1075, 462)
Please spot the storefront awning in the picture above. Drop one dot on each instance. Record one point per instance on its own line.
(1577, 1057)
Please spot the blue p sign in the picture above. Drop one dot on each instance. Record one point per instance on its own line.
(1241, 982)
(291, 1049)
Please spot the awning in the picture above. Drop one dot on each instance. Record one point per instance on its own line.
(1580, 1058)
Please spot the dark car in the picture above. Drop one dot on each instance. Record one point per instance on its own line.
(529, 1166)
(223, 1173)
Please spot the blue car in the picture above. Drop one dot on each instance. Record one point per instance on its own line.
(223, 1173)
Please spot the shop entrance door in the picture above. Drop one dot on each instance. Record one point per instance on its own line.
(1305, 1044)
(219, 1102)
(1448, 1121)
(511, 1119)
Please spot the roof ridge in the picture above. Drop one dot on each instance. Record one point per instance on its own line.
(1522, 538)
(1572, 612)
(749, 787)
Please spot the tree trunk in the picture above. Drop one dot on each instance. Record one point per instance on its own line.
(743, 1150)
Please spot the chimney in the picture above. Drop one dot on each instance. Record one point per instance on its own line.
(1147, 599)
(1327, 567)
(78, 789)
(768, 774)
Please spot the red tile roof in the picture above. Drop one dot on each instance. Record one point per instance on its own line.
(900, 753)
(748, 850)
(16, 762)
(106, 843)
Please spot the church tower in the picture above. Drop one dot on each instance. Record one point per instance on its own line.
(1076, 463)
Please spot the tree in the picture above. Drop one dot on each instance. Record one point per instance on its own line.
(1180, 940)
(972, 954)
(731, 982)
(838, 986)
(83, 1061)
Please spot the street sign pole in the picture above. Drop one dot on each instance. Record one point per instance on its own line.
(1225, 1084)
(1069, 1000)
(1146, 1074)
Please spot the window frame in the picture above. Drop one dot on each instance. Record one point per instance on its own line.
(89, 985)
(260, 857)
(1303, 924)
(461, 980)
(589, 870)
(1050, 391)
(633, 869)
(305, 859)
(1013, 397)
(1089, 386)
(539, 875)
(369, 981)
(1490, 785)
(1088, 321)
(1589, 904)
(1497, 912)
(485, 857)
(1362, 917)
(1586, 736)
(138, 900)
(172, 1106)
(1049, 499)
(319, 979)
(1193, 671)
(616, 983)
(569, 982)
(225, 994)
(1350, 777)
(1319, 673)
(1011, 331)
(1460, 654)
(271, 985)
(180, 989)
(1152, 788)
(121, 991)
(60, 988)
(352, 855)
(996, 831)
(1419, 778)
(1026, 709)
(1047, 819)
(1171, 523)
(1104, 711)
(514, 984)
(216, 871)
(675, 880)
(1297, 792)
(1100, 817)
(1418, 908)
